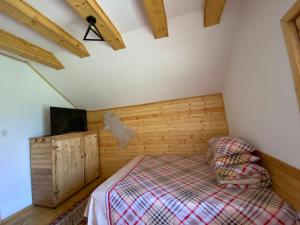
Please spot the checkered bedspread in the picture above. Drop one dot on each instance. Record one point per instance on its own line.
(173, 189)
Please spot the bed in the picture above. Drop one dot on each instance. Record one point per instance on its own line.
(176, 189)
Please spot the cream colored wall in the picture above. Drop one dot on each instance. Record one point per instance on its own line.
(24, 99)
(259, 94)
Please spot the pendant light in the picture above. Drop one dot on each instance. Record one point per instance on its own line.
(92, 27)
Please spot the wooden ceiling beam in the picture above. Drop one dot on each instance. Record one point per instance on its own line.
(213, 12)
(24, 13)
(157, 17)
(19, 46)
(109, 32)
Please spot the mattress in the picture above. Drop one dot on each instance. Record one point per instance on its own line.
(175, 189)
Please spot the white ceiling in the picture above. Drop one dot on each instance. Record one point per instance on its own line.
(191, 61)
(127, 15)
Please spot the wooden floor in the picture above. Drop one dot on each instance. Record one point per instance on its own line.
(33, 215)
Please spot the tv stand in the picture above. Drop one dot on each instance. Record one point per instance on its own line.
(61, 165)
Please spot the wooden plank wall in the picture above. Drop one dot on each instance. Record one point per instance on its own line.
(180, 126)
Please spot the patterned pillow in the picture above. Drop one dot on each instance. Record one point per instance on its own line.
(235, 159)
(230, 145)
(245, 182)
(238, 183)
(245, 175)
(214, 140)
(241, 170)
(260, 184)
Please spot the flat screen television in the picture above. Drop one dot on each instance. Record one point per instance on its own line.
(65, 120)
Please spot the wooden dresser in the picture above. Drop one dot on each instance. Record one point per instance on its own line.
(62, 165)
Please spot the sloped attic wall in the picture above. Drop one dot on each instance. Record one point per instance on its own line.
(260, 99)
(25, 100)
(191, 62)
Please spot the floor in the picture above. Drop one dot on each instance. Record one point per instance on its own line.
(43, 216)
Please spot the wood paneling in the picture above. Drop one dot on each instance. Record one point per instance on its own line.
(180, 126)
(16, 45)
(285, 178)
(213, 12)
(24, 13)
(292, 40)
(108, 30)
(157, 17)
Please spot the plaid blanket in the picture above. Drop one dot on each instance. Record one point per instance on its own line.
(173, 189)
(234, 159)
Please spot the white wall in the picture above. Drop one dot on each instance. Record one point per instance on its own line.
(190, 62)
(259, 92)
(24, 113)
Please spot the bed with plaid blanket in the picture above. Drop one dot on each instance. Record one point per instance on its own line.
(174, 189)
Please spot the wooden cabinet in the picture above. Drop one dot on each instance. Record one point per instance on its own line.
(61, 165)
(92, 165)
(68, 166)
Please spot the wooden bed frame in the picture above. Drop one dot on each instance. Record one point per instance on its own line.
(285, 178)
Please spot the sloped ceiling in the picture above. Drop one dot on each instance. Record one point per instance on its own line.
(191, 61)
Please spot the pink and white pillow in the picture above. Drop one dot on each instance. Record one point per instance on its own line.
(247, 175)
(225, 146)
(235, 159)
(232, 163)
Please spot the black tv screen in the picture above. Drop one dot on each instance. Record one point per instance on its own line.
(65, 120)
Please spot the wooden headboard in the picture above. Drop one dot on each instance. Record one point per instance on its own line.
(285, 178)
(177, 126)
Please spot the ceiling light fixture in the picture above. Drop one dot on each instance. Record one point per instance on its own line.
(92, 27)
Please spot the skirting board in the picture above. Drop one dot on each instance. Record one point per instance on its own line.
(16, 215)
